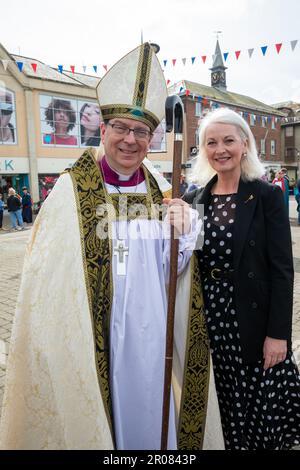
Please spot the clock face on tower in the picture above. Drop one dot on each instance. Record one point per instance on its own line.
(218, 77)
(215, 77)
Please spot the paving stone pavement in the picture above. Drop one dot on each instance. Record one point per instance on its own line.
(12, 250)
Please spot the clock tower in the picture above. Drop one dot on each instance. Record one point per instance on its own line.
(218, 74)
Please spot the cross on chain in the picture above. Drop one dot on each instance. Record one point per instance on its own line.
(121, 250)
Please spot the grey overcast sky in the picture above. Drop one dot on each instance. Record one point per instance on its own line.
(90, 32)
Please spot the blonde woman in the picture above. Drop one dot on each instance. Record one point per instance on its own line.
(246, 267)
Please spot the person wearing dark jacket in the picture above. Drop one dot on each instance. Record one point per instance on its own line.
(27, 206)
(247, 273)
(14, 207)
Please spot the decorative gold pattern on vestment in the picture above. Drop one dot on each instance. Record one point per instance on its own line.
(89, 193)
(142, 75)
(194, 398)
(130, 112)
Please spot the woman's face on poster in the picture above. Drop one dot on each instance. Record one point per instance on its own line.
(90, 117)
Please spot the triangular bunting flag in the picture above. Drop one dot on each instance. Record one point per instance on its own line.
(174, 61)
(264, 49)
(84, 68)
(187, 92)
(237, 54)
(225, 55)
(60, 68)
(34, 66)
(250, 52)
(293, 44)
(165, 62)
(181, 88)
(5, 63)
(95, 67)
(203, 57)
(20, 65)
(193, 60)
(278, 47)
(168, 81)
(183, 60)
(105, 67)
(72, 67)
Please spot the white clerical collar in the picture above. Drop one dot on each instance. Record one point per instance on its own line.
(123, 177)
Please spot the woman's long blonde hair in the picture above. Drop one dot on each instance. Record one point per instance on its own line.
(251, 167)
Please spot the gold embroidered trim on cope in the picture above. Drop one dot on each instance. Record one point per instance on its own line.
(192, 418)
(89, 192)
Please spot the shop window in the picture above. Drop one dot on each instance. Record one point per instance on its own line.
(158, 142)
(46, 184)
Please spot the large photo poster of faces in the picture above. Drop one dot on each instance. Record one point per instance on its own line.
(8, 128)
(69, 122)
(158, 142)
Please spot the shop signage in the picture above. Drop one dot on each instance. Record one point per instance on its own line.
(14, 165)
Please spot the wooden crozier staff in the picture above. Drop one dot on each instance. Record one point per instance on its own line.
(174, 113)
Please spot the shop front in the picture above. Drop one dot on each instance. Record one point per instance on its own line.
(49, 170)
(165, 167)
(14, 173)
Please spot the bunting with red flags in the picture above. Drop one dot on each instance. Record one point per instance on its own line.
(278, 47)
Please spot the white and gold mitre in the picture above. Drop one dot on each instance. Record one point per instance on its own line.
(134, 88)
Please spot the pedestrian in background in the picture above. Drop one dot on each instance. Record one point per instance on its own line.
(14, 207)
(183, 185)
(247, 273)
(27, 206)
(1, 210)
(297, 197)
(286, 193)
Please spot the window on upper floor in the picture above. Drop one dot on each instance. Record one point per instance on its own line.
(159, 141)
(273, 147)
(198, 109)
(8, 131)
(262, 146)
(252, 119)
(289, 131)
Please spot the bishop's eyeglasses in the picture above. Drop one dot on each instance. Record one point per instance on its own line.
(139, 134)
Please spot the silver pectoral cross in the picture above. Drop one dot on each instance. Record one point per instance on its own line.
(121, 250)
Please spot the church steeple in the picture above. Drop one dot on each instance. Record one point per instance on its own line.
(218, 74)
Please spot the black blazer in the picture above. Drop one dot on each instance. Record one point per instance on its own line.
(262, 261)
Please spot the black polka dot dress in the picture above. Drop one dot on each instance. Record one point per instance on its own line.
(259, 409)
